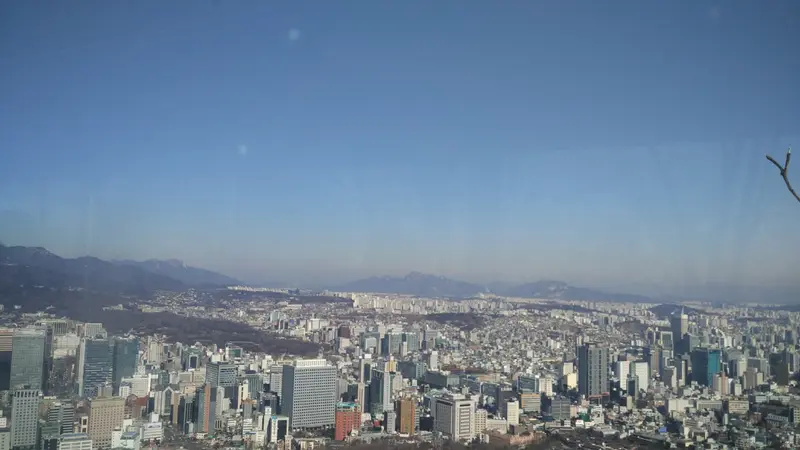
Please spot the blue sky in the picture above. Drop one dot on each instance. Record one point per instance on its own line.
(601, 143)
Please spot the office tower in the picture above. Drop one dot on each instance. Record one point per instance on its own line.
(6, 338)
(255, 384)
(206, 399)
(621, 370)
(220, 374)
(28, 358)
(705, 363)
(364, 368)
(75, 441)
(641, 370)
(390, 344)
(49, 435)
(94, 331)
(277, 428)
(95, 367)
(154, 348)
(62, 414)
(190, 358)
(433, 361)
(679, 325)
(653, 356)
(25, 418)
(105, 414)
(407, 408)
(276, 379)
(455, 417)
(348, 418)
(529, 383)
(412, 341)
(380, 392)
(126, 359)
(511, 411)
(309, 393)
(667, 340)
(593, 369)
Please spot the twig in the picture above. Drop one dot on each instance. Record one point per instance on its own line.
(785, 171)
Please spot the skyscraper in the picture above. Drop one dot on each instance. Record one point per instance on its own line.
(220, 374)
(380, 391)
(705, 364)
(593, 369)
(28, 358)
(126, 359)
(206, 399)
(95, 365)
(455, 417)
(105, 414)
(679, 324)
(309, 393)
(25, 418)
(408, 419)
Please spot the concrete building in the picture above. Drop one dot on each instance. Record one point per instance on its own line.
(105, 415)
(25, 418)
(95, 366)
(309, 393)
(454, 416)
(75, 441)
(27, 358)
(220, 374)
(348, 418)
(593, 361)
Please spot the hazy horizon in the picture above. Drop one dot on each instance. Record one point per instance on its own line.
(601, 145)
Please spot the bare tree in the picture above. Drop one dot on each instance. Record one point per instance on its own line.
(785, 171)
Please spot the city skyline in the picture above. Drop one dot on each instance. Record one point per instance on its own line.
(273, 143)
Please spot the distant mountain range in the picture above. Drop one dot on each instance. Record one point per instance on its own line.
(415, 283)
(27, 267)
(425, 285)
(192, 276)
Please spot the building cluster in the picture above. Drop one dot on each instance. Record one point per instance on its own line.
(511, 374)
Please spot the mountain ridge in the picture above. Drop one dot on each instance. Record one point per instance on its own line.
(24, 267)
(179, 270)
(427, 285)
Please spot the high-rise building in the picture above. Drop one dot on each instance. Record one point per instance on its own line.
(105, 414)
(6, 339)
(455, 417)
(380, 391)
(95, 366)
(126, 359)
(412, 341)
(641, 370)
(25, 418)
(220, 374)
(593, 369)
(206, 399)
(679, 325)
(28, 358)
(407, 408)
(705, 363)
(511, 411)
(62, 414)
(309, 393)
(277, 428)
(348, 418)
(390, 344)
(276, 379)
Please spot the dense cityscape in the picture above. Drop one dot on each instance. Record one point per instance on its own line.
(399, 370)
(403, 225)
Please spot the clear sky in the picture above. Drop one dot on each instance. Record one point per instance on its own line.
(601, 143)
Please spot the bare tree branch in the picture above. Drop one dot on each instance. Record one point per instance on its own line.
(785, 171)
